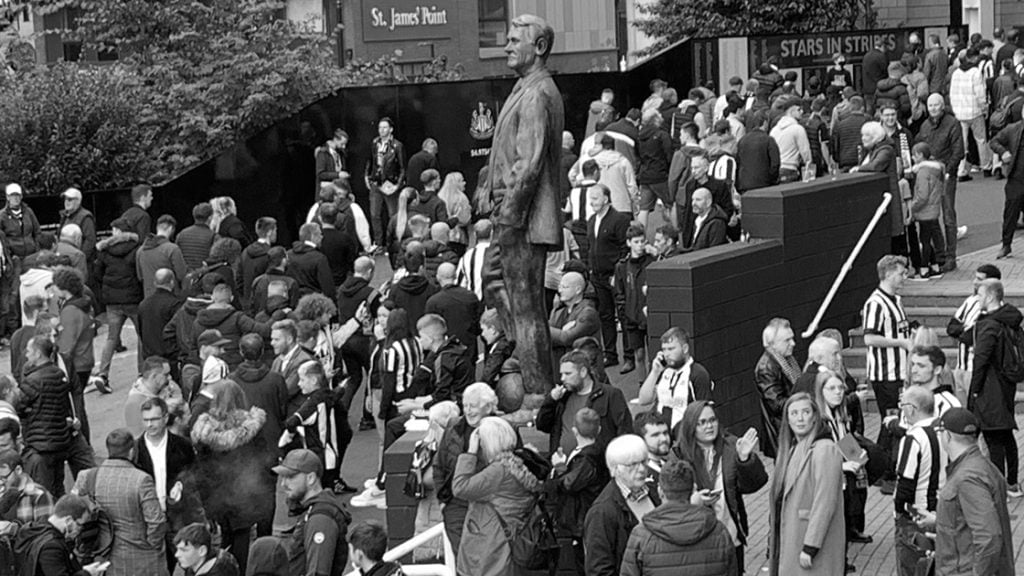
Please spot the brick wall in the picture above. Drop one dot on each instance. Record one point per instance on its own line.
(724, 296)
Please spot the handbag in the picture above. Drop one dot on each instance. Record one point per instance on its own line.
(535, 546)
(422, 459)
(878, 463)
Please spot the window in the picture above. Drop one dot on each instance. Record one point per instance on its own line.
(493, 22)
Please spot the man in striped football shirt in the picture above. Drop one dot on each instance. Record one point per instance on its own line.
(967, 314)
(887, 337)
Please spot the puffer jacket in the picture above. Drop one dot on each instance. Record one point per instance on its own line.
(502, 492)
(195, 242)
(944, 136)
(115, 269)
(45, 408)
(678, 537)
(894, 89)
(232, 325)
(21, 233)
(233, 466)
(618, 175)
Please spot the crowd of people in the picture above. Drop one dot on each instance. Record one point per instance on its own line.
(251, 356)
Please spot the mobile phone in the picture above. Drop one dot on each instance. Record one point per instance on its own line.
(714, 492)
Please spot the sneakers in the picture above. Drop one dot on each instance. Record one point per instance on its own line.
(100, 383)
(372, 497)
(1014, 491)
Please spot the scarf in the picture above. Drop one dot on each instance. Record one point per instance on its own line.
(789, 365)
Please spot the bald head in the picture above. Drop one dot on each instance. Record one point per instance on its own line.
(363, 267)
(568, 141)
(701, 201)
(824, 351)
(936, 105)
(446, 274)
(571, 286)
(164, 278)
(439, 232)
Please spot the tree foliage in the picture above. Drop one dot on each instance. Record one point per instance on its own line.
(201, 75)
(673, 20)
(64, 125)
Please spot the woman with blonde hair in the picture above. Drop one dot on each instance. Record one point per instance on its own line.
(422, 472)
(808, 534)
(225, 221)
(233, 465)
(501, 496)
(453, 194)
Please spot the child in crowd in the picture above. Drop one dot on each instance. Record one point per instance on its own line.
(629, 286)
(578, 478)
(926, 208)
(498, 347)
(367, 543)
(315, 422)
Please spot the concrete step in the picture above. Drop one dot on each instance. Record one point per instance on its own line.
(856, 337)
(857, 357)
(872, 406)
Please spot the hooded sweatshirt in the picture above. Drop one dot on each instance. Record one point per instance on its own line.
(351, 294)
(42, 549)
(182, 327)
(655, 148)
(232, 325)
(412, 293)
(254, 263)
(676, 537)
(967, 94)
(618, 175)
(34, 283)
(158, 252)
(115, 270)
(928, 186)
(793, 144)
(309, 267)
(75, 338)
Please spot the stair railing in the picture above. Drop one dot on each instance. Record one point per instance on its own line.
(847, 266)
(435, 531)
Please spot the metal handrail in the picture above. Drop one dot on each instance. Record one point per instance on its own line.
(847, 266)
(435, 531)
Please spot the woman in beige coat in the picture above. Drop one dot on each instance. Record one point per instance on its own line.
(500, 496)
(808, 532)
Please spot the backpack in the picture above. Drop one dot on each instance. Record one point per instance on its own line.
(1001, 115)
(192, 284)
(97, 536)
(535, 546)
(1011, 353)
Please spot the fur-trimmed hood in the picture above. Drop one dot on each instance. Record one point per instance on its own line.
(229, 433)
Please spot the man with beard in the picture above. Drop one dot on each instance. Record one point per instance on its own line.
(45, 547)
(675, 378)
(652, 428)
(316, 545)
(580, 390)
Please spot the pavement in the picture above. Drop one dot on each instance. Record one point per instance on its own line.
(979, 206)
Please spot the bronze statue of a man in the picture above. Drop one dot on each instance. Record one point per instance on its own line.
(523, 185)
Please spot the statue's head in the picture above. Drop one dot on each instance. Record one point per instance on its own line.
(530, 40)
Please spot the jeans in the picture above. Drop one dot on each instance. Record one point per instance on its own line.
(933, 247)
(378, 218)
(116, 316)
(1012, 208)
(949, 218)
(977, 127)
